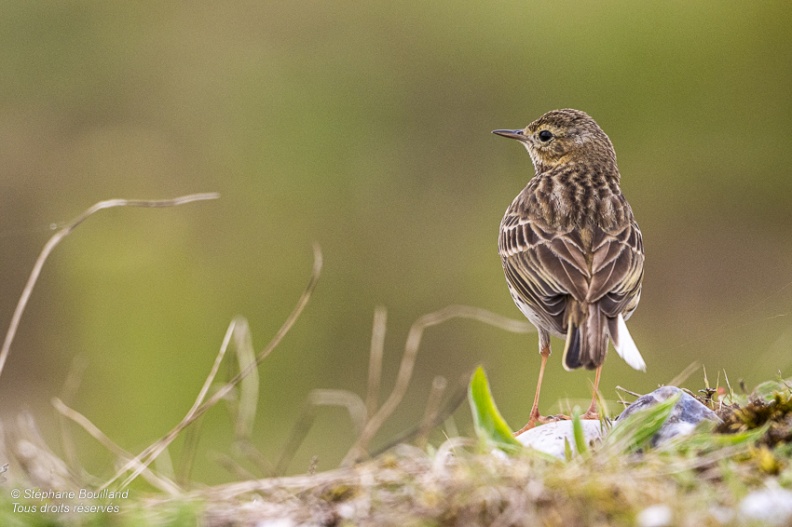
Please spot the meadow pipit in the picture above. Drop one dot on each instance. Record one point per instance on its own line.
(571, 249)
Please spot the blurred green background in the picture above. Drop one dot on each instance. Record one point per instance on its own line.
(365, 127)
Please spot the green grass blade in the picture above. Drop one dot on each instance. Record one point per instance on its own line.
(577, 432)
(707, 440)
(490, 425)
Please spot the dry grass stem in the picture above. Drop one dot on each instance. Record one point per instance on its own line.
(229, 334)
(439, 385)
(375, 359)
(69, 390)
(245, 413)
(192, 434)
(728, 385)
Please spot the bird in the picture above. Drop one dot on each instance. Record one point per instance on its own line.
(571, 249)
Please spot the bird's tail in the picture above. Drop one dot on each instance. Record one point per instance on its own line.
(587, 340)
(624, 344)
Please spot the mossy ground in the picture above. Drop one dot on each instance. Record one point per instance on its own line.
(699, 480)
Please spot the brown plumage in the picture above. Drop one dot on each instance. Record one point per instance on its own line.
(571, 249)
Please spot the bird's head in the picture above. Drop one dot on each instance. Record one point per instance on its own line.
(563, 136)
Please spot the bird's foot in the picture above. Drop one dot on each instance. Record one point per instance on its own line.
(541, 420)
(591, 414)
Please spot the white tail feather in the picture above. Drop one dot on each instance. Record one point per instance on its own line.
(625, 346)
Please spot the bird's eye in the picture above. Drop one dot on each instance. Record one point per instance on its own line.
(545, 136)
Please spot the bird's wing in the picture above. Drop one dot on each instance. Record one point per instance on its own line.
(616, 269)
(545, 267)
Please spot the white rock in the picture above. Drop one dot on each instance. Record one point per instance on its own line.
(280, 522)
(655, 516)
(771, 506)
(551, 437)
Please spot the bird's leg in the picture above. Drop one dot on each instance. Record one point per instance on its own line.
(535, 408)
(535, 416)
(592, 413)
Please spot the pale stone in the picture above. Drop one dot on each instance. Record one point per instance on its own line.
(550, 438)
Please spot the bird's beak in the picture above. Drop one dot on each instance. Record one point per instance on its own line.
(511, 134)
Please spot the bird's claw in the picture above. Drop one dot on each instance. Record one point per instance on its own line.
(541, 420)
